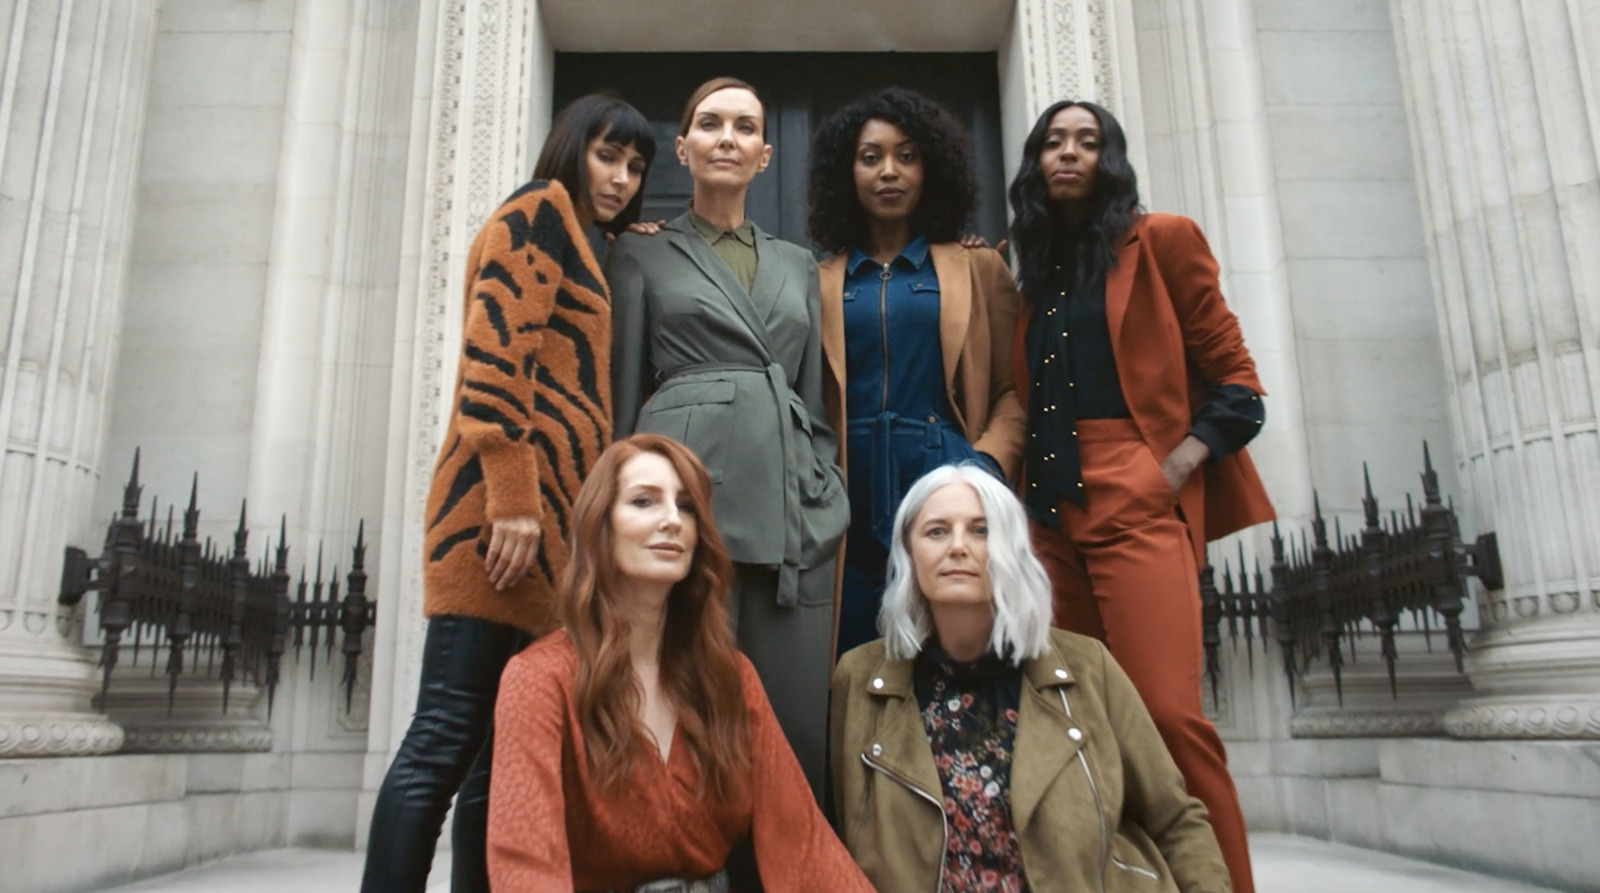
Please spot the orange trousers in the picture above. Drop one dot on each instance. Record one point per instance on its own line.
(1123, 571)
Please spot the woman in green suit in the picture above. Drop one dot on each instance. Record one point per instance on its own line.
(717, 344)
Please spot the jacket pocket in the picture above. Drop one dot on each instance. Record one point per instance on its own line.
(696, 414)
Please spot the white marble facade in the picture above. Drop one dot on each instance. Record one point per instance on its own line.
(231, 232)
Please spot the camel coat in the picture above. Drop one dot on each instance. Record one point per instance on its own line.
(977, 314)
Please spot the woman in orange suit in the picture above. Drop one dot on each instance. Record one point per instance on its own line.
(1140, 397)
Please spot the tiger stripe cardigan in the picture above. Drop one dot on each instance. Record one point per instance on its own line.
(532, 408)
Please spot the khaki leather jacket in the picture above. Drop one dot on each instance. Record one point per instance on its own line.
(1096, 800)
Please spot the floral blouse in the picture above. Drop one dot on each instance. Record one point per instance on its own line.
(970, 713)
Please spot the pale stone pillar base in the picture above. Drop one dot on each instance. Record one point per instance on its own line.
(45, 686)
(1533, 681)
(196, 723)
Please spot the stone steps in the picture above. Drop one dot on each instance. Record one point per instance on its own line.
(1284, 864)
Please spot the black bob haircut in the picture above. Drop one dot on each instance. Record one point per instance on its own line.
(949, 184)
(1038, 229)
(563, 155)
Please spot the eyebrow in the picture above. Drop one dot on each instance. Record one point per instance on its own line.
(941, 519)
(874, 144)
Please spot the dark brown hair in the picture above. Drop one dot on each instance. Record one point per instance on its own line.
(709, 87)
(699, 660)
(563, 155)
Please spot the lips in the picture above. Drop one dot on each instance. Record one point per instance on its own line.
(890, 192)
(667, 550)
(1069, 176)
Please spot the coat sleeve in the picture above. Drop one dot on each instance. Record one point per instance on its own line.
(824, 440)
(631, 375)
(527, 838)
(1153, 790)
(513, 273)
(1003, 438)
(1211, 336)
(796, 850)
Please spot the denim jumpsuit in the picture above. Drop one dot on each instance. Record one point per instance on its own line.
(899, 423)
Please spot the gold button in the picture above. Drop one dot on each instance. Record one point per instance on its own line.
(1080, 485)
(1072, 384)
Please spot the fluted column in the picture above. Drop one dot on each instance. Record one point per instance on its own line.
(1504, 112)
(72, 98)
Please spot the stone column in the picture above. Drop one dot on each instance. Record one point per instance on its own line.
(1504, 120)
(72, 98)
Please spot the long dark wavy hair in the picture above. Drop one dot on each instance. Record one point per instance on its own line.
(949, 183)
(1040, 229)
(699, 657)
(564, 156)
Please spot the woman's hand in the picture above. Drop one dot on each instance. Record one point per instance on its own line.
(973, 240)
(1183, 460)
(513, 544)
(642, 227)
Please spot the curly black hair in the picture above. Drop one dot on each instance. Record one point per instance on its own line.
(949, 182)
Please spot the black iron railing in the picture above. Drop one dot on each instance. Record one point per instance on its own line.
(170, 591)
(1324, 593)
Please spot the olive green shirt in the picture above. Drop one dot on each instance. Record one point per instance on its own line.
(736, 247)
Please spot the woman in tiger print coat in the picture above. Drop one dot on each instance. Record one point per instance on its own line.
(532, 414)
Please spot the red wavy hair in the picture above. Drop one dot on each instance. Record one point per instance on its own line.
(699, 661)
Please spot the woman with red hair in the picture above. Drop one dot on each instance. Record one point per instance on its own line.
(636, 746)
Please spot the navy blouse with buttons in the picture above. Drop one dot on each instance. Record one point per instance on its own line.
(899, 422)
(1075, 377)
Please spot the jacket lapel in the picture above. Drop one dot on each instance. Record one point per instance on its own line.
(681, 234)
(1119, 287)
(952, 264)
(1044, 746)
(831, 272)
(899, 742)
(770, 275)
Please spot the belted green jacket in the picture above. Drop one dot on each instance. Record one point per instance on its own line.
(1097, 802)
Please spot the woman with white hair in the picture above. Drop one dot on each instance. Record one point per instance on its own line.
(976, 749)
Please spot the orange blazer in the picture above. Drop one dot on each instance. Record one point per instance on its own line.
(977, 312)
(1173, 335)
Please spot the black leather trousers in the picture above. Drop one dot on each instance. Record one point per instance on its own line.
(446, 750)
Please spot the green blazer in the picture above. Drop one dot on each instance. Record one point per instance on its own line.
(737, 377)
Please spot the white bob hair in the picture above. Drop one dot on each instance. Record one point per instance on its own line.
(1017, 581)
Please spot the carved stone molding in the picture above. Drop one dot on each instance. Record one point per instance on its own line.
(1336, 723)
(57, 735)
(197, 737)
(1070, 47)
(479, 128)
(1545, 718)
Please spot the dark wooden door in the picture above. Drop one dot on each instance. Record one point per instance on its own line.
(799, 91)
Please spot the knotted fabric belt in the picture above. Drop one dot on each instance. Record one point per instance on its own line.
(716, 883)
(790, 409)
